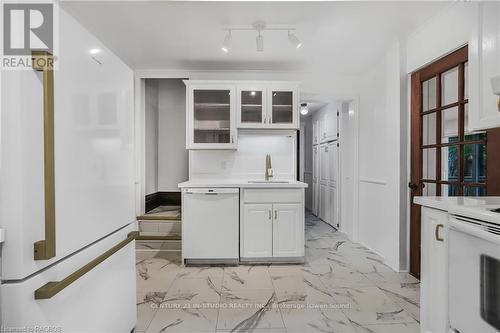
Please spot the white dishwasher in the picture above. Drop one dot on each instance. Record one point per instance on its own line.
(210, 225)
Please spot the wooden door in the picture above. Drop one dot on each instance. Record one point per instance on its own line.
(447, 159)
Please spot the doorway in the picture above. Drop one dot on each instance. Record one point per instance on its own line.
(446, 158)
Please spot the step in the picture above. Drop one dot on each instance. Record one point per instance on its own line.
(167, 227)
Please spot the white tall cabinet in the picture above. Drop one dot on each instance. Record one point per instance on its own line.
(326, 166)
(315, 180)
(328, 198)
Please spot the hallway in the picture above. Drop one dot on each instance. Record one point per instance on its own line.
(342, 287)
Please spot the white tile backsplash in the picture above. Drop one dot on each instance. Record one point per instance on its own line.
(248, 161)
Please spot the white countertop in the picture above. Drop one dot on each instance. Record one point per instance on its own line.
(474, 207)
(242, 183)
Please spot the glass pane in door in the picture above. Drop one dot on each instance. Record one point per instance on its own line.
(282, 107)
(475, 163)
(449, 86)
(429, 129)
(251, 106)
(429, 94)
(212, 113)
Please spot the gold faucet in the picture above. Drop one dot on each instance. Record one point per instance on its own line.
(269, 168)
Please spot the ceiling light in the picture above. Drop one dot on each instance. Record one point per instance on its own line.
(304, 109)
(227, 42)
(294, 40)
(94, 51)
(260, 43)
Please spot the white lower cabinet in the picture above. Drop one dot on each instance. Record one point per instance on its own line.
(270, 226)
(434, 271)
(288, 231)
(257, 230)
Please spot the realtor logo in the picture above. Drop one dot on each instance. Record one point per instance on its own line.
(27, 27)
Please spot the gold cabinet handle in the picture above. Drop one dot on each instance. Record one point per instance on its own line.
(270, 216)
(52, 288)
(438, 238)
(275, 214)
(45, 249)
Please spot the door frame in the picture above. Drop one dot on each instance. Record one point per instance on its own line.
(440, 65)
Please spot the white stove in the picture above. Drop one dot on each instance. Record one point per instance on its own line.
(474, 269)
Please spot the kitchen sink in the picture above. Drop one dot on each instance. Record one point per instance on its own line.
(268, 181)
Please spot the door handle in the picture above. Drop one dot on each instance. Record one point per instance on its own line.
(46, 248)
(50, 289)
(436, 232)
(412, 185)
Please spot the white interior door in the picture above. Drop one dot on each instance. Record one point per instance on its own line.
(256, 231)
(288, 240)
(324, 171)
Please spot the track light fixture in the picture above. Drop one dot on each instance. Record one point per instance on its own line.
(294, 40)
(227, 42)
(260, 26)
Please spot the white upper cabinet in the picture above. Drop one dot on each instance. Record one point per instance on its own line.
(211, 120)
(264, 105)
(283, 106)
(484, 64)
(216, 109)
(251, 106)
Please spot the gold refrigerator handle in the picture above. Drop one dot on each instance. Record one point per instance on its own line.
(51, 289)
(43, 61)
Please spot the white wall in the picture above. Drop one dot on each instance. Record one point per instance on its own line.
(151, 149)
(248, 162)
(308, 159)
(442, 34)
(172, 153)
(379, 158)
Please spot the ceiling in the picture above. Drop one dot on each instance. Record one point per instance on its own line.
(344, 37)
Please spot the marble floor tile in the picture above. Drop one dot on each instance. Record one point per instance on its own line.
(316, 320)
(183, 320)
(341, 287)
(247, 277)
(246, 311)
(147, 305)
(155, 274)
(391, 328)
(370, 305)
(200, 292)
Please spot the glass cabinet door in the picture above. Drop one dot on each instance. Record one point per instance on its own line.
(282, 107)
(212, 116)
(251, 106)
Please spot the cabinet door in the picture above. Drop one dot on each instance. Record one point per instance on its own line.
(211, 121)
(315, 127)
(283, 107)
(324, 202)
(315, 182)
(324, 171)
(288, 230)
(256, 231)
(332, 163)
(251, 107)
(333, 210)
(434, 271)
(484, 65)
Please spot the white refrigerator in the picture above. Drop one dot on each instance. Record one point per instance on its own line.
(85, 213)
